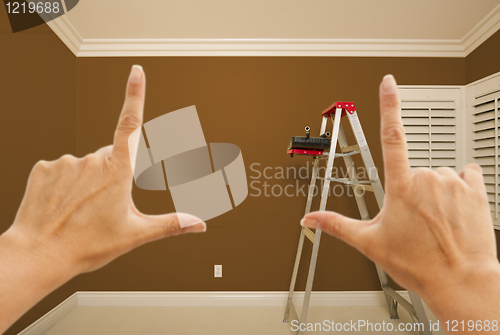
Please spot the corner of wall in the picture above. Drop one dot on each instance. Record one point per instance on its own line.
(483, 61)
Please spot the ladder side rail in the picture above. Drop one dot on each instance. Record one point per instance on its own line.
(366, 155)
(324, 122)
(379, 194)
(384, 282)
(310, 279)
(312, 185)
(289, 302)
(349, 164)
(418, 306)
(324, 198)
(360, 200)
(331, 157)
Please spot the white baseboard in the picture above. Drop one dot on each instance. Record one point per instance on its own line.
(266, 298)
(216, 299)
(40, 326)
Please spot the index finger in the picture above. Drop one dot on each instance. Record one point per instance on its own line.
(393, 136)
(131, 115)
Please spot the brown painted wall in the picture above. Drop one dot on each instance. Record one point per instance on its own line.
(485, 60)
(256, 103)
(37, 90)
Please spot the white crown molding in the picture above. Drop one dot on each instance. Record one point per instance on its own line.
(270, 47)
(206, 299)
(65, 30)
(482, 31)
(276, 47)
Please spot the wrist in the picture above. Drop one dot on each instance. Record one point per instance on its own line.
(27, 275)
(34, 259)
(452, 296)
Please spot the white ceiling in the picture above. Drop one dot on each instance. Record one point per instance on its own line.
(344, 19)
(413, 28)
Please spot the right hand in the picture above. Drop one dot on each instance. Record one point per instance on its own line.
(434, 234)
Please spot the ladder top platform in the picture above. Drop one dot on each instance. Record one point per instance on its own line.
(350, 107)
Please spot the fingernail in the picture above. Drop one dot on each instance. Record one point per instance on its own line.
(308, 222)
(187, 220)
(389, 85)
(199, 227)
(136, 74)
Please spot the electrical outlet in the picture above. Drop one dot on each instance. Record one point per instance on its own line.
(217, 270)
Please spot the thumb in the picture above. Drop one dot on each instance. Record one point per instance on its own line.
(348, 230)
(154, 227)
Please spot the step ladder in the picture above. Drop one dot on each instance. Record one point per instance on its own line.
(335, 112)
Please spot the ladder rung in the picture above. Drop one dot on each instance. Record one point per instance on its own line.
(350, 148)
(347, 154)
(368, 188)
(402, 301)
(309, 234)
(324, 156)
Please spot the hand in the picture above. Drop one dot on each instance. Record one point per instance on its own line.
(78, 215)
(80, 212)
(434, 234)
